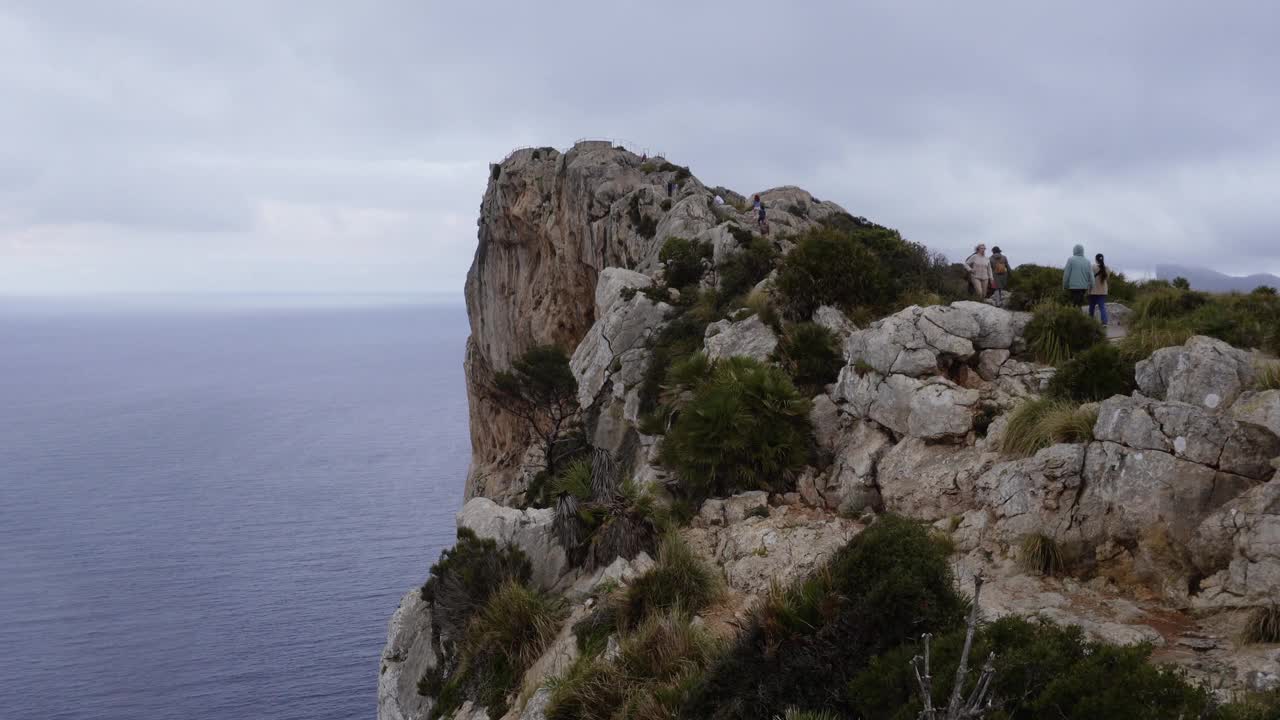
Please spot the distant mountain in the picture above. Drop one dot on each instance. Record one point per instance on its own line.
(1214, 281)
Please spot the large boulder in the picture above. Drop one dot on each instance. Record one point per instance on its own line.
(832, 319)
(918, 341)
(747, 338)
(616, 347)
(1033, 495)
(1259, 408)
(1188, 432)
(1238, 546)
(927, 481)
(931, 409)
(1205, 372)
(529, 529)
(849, 484)
(408, 654)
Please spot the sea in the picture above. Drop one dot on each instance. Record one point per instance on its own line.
(210, 507)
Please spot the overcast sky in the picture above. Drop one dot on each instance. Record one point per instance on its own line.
(156, 145)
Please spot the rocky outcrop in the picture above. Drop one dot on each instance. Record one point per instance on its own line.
(746, 338)
(408, 654)
(1204, 372)
(529, 529)
(931, 409)
(615, 350)
(1239, 546)
(1259, 408)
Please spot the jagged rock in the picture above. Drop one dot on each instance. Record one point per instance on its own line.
(529, 529)
(1205, 372)
(1188, 432)
(998, 329)
(1259, 408)
(932, 409)
(849, 485)
(613, 282)
(928, 482)
(828, 425)
(1035, 494)
(723, 511)
(1118, 313)
(748, 338)
(1021, 379)
(470, 711)
(989, 362)
(835, 321)
(407, 655)
(615, 348)
(1240, 545)
(531, 702)
(788, 544)
(621, 571)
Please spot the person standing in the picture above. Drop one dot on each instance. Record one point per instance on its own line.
(1077, 275)
(758, 206)
(999, 274)
(979, 271)
(1098, 287)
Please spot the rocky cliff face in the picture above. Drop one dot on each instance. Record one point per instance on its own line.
(1170, 513)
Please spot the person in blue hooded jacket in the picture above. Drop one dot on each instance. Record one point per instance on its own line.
(1077, 276)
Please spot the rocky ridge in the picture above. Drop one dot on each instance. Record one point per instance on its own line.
(1171, 511)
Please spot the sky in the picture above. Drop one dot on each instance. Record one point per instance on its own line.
(324, 146)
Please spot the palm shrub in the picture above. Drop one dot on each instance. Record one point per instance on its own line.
(810, 353)
(744, 427)
(1095, 374)
(1037, 424)
(683, 259)
(1057, 332)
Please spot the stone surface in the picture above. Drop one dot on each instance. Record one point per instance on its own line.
(1033, 495)
(1238, 546)
(1205, 372)
(747, 338)
(406, 656)
(929, 482)
(989, 363)
(722, 511)
(1259, 408)
(616, 349)
(529, 530)
(932, 409)
(835, 321)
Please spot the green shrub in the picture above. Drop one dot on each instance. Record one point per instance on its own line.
(681, 337)
(508, 634)
(1268, 376)
(1181, 283)
(1249, 321)
(1262, 625)
(1095, 374)
(645, 225)
(811, 354)
(1041, 671)
(741, 234)
(1139, 344)
(742, 270)
(828, 267)
(1263, 290)
(1031, 285)
(465, 576)
(1163, 304)
(541, 390)
(1057, 333)
(745, 427)
(678, 581)
(887, 585)
(649, 678)
(1040, 554)
(683, 260)
(1037, 424)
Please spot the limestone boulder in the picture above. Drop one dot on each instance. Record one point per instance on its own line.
(529, 529)
(1205, 372)
(723, 511)
(1259, 408)
(615, 349)
(990, 362)
(849, 485)
(828, 423)
(408, 654)
(747, 338)
(1238, 547)
(1033, 495)
(931, 409)
(832, 319)
(929, 481)
(613, 282)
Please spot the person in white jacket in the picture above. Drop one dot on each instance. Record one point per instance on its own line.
(979, 266)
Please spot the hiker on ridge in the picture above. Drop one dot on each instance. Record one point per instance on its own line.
(999, 274)
(758, 206)
(1077, 275)
(979, 266)
(1098, 288)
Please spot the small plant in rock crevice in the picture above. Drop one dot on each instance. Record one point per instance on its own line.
(1262, 625)
(811, 354)
(1039, 553)
(1037, 424)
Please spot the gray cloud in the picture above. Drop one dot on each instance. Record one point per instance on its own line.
(149, 145)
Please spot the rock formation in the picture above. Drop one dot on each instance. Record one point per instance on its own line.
(1172, 506)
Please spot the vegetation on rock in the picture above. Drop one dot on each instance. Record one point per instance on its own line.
(811, 354)
(464, 577)
(1095, 374)
(683, 261)
(1037, 424)
(541, 390)
(1057, 333)
(680, 581)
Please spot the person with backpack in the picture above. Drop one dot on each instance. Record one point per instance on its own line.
(979, 266)
(1077, 275)
(999, 274)
(758, 206)
(1098, 287)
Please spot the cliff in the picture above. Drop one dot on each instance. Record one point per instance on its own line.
(1155, 520)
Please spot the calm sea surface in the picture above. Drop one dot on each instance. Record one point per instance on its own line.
(211, 512)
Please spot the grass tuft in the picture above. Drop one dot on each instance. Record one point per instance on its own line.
(1268, 376)
(1037, 424)
(1040, 554)
(680, 581)
(1262, 626)
(1057, 333)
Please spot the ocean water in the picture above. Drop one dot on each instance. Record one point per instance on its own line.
(210, 510)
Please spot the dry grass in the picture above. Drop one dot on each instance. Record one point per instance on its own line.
(1037, 424)
(1040, 554)
(1140, 344)
(1263, 625)
(1268, 376)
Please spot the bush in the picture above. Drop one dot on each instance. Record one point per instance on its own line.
(1262, 625)
(1166, 303)
(681, 337)
(1140, 344)
(1095, 374)
(828, 267)
(1057, 332)
(742, 270)
(503, 640)
(1249, 321)
(745, 427)
(1040, 554)
(1031, 285)
(1037, 424)
(541, 390)
(680, 581)
(810, 353)
(645, 226)
(1263, 290)
(1268, 376)
(649, 678)
(465, 576)
(887, 585)
(683, 260)
(1041, 671)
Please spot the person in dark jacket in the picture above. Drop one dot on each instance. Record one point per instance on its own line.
(999, 274)
(1077, 275)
